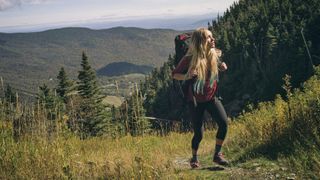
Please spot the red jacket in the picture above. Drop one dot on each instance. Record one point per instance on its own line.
(208, 92)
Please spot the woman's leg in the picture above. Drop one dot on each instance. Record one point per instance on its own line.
(197, 123)
(219, 114)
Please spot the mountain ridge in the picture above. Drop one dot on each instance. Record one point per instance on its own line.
(122, 68)
(179, 23)
(30, 59)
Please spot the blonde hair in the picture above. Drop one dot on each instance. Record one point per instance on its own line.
(204, 58)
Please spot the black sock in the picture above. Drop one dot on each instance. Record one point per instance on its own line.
(194, 157)
(218, 149)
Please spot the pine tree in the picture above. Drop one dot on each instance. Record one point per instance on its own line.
(9, 94)
(138, 125)
(45, 97)
(226, 41)
(93, 113)
(10, 100)
(64, 85)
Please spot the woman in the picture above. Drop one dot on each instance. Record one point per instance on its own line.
(200, 66)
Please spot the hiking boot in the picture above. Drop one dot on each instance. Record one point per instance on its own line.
(194, 164)
(219, 159)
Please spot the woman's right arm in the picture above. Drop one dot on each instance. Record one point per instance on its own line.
(179, 76)
(179, 72)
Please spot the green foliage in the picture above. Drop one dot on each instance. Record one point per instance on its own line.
(285, 129)
(64, 85)
(49, 101)
(156, 89)
(9, 100)
(92, 115)
(9, 94)
(137, 123)
(87, 85)
(45, 96)
(262, 41)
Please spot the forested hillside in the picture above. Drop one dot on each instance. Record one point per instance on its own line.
(122, 68)
(264, 40)
(29, 59)
(261, 42)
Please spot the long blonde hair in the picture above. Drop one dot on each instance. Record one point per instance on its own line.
(204, 58)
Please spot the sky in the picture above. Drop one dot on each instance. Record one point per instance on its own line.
(15, 14)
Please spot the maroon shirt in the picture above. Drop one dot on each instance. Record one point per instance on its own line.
(208, 92)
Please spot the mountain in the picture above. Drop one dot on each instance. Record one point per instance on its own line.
(185, 22)
(177, 23)
(122, 68)
(30, 59)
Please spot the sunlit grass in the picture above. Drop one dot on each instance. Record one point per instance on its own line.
(150, 156)
(280, 136)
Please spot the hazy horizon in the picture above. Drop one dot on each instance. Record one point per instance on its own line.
(175, 23)
(38, 15)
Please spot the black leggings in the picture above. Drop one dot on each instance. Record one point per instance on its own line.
(217, 112)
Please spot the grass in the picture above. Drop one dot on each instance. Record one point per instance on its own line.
(113, 100)
(95, 158)
(120, 86)
(149, 157)
(275, 140)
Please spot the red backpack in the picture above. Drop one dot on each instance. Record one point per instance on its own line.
(178, 93)
(181, 42)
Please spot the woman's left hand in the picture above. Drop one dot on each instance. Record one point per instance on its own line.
(223, 66)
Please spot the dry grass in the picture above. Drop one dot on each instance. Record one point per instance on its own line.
(69, 157)
(113, 100)
(283, 130)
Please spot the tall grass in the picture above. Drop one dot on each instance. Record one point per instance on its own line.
(285, 130)
(150, 157)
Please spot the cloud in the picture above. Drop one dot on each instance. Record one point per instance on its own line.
(36, 1)
(7, 4)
